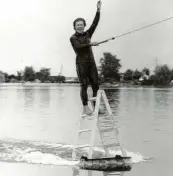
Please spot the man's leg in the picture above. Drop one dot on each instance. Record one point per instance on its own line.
(82, 72)
(94, 80)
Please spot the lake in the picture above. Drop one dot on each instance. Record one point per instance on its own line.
(38, 125)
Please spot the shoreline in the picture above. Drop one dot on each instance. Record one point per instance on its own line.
(104, 85)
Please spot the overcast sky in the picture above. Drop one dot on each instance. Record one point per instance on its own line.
(36, 33)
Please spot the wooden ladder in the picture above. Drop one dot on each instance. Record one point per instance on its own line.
(106, 128)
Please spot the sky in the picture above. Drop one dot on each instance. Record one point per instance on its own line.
(36, 33)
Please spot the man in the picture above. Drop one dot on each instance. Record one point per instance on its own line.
(85, 63)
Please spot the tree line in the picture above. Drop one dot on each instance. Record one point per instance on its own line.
(109, 71)
(29, 74)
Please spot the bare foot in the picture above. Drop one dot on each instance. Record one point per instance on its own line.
(87, 111)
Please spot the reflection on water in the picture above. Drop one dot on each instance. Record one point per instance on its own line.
(50, 113)
(29, 97)
(41, 113)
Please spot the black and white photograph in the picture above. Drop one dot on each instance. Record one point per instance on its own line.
(86, 88)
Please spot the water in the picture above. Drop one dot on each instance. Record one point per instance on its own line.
(38, 125)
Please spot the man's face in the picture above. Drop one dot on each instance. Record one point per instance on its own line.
(79, 27)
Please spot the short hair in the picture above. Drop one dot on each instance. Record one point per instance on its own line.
(79, 19)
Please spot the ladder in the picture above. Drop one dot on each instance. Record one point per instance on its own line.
(106, 128)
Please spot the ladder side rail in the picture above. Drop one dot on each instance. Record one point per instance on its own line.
(76, 139)
(106, 102)
(94, 124)
(111, 115)
(96, 111)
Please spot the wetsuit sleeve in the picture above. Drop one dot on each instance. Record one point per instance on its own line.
(94, 24)
(77, 45)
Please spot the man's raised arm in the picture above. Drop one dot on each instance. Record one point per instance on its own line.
(95, 21)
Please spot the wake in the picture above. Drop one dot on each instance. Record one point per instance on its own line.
(51, 153)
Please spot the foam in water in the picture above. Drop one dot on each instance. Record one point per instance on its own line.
(43, 158)
(136, 157)
(51, 153)
(50, 159)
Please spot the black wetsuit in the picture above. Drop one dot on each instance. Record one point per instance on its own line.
(85, 63)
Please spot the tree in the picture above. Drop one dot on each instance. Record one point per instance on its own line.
(163, 75)
(11, 76)
(109, 68)
(29, 73)
(146, 71)
(2, 76)
(43, 74)
(171, 74)
(6, 77)
(137, 74)
(37, 75)
(128, 75)
(19, 75)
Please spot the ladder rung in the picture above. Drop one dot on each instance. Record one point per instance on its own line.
(109, 137)
(92, 99)
(82, 146)
(85, 130)
(106, 121)
(113, 174)
(107, 129)
(107, 126)
(111, 145)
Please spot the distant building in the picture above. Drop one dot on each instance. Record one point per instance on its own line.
(72, 80)
(37, 81)
(2, 77)
(143, 77)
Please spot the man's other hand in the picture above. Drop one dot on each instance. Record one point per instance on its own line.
(99, 3)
